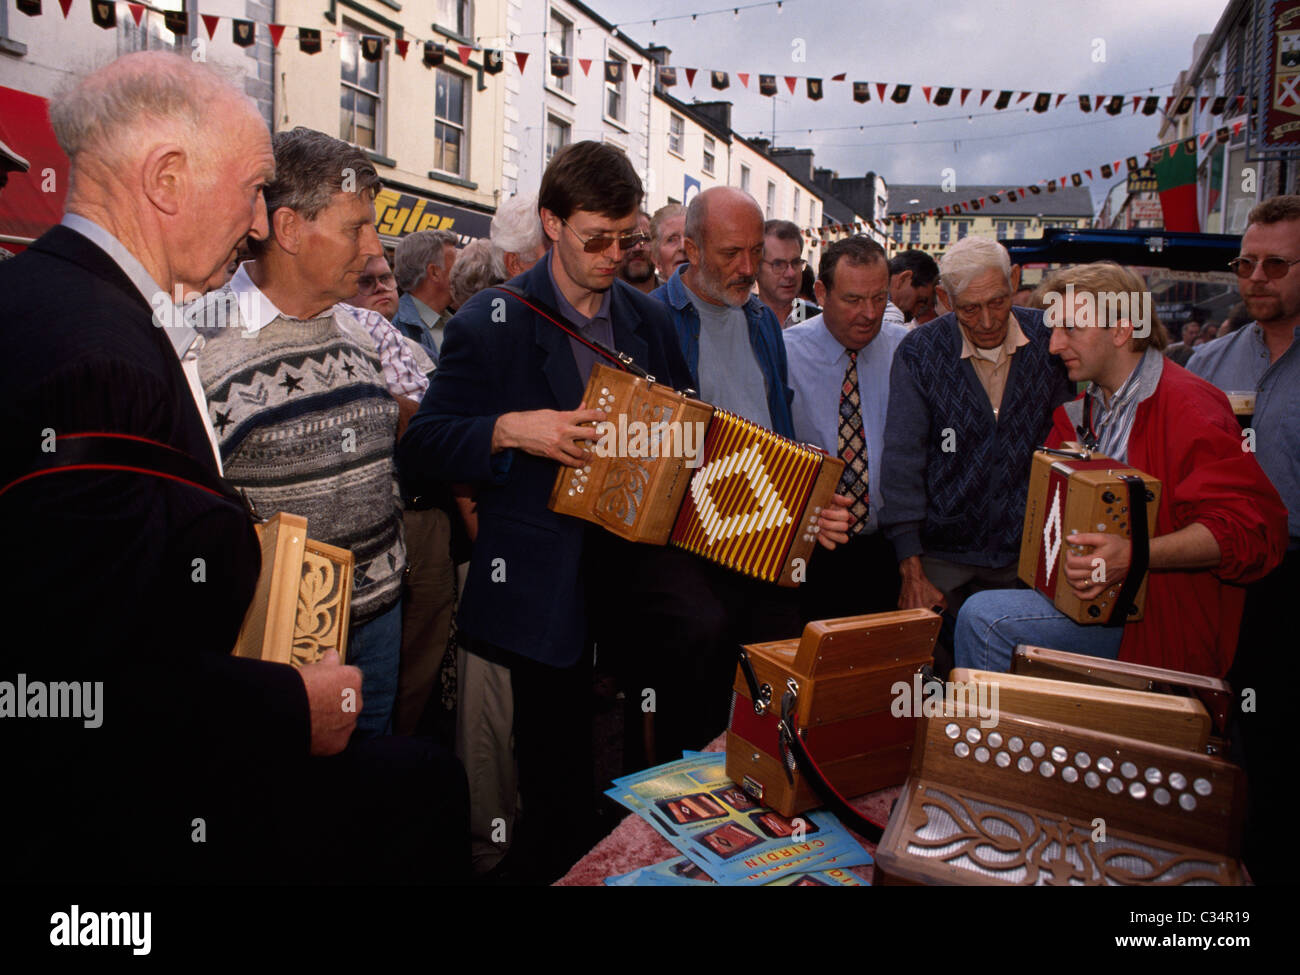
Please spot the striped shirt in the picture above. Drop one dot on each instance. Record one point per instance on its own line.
(401, 371)
(1112, 424)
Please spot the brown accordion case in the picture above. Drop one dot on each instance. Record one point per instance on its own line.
(1073, 492)
(300, 608)
(843, 673)
(1032, 802)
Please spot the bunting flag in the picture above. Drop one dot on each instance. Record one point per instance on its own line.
(767, 84)
(521, 58)
(104, 14)
(32, 8)
(1184, 105)
(791, 81)
(1219, 105)
(67, 6)
(690, 77)
(880, 90)
(943, 96)
(861, 91)
(559, 64)
(242, 32)
(494, 62)
(372, 48)
(435, 54)
(1221, 135)
(1115, 105)
(210, 21)
(1036, 190)
(1132, 164)
(1004, 99)
(614, 72)
(1137, 100)
(985, 94)
(1011, 196)
(744, 78)
(176, 21)
(1203, 137)
(1106, 171)
(1075, 179)
(636, 70)
(964, 93)
(1043, 102)
(402, 45)
(842, 76)
(1204, 99)
(308, 40)
(901, 93)
(719, 80)
(925, 90)
(1085, 103)
(1023, 96)
(1151, 104)
(277, 31)
(667, 76)
(814, 89)
(465, 52)
(585, 64)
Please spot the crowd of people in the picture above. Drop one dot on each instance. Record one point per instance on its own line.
(416, 409)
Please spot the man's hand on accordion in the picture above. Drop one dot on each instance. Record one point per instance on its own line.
(334, 697)
(834, 522)
(1104, 562)
(549, 433)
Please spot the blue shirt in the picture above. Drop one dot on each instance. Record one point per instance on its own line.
(730, 377)
(817, 366)
(597, 328)
(1239, 362)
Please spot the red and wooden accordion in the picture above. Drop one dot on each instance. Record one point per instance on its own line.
(669, 469)
(845, 676)
(1077, 491)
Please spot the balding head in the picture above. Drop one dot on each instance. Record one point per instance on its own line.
(170, 158)
(724, 243)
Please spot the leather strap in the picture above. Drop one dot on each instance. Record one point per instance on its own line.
(1140, 560)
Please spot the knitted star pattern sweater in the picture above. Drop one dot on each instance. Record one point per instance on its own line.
(306, 425)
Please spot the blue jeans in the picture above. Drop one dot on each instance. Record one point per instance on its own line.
(376, 647)
(993, 623)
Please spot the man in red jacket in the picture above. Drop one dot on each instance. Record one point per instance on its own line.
(1220, 523)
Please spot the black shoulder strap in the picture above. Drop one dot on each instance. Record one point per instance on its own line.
(619, 359)
(1140, 560)
(124, 452)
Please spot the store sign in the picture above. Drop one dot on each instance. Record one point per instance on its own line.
(398, 214)
(1282, 118)
(1148, 212)
(1142, 180)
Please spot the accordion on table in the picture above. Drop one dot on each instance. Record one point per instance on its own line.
(842, 674)
(1078, 491)
(669, 469)
(300, 608)
(1034, 802)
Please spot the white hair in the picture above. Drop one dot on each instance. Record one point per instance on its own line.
(416, 251)
(968, 259)
(480, 265)
(516, 227)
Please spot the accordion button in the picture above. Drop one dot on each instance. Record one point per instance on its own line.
(1202, 787)
(1082, 759)
(579, 488)
(1187, 801)
(1114, 785)
(1104, 764)
(1070, 774)
(604, 391)
(962, 749)
(1153, 776)
(1128, 770)
(587, 469)
(995, 740)
(981, 754)
(1059, 754)
(1177, 780)
(1161, 796)
(951, 729)
(973, 735)
(1026, 764)
(570, 492)
(1046, 770)
(1037, 749)
(1137, 790)
(1002, 759)
(1092, 780)
(1015, 744)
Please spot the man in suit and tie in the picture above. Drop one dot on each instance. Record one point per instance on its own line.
(502, 409)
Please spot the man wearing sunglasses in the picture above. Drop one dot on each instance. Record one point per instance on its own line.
(503, 409)
(377, 288)
(1263, 358)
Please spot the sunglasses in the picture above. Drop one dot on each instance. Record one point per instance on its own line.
(1274, 267)
(602, 242)
(368, 284)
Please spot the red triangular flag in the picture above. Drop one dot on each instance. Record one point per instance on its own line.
(925, 89)
(1137, 100)
(66, 5)
(839, 77)
(1096, 106)
(636, 71)
(987, 92)
(1089, 172)
(402, 47)
(1241, 102)
(744, 78)
(964, 93)
(586, 64)
(521, 58)
(277, 31)
(1172, 149)
(137, 11)
(1236, 128)
(210, 22)
(1204, 136)
(1063, 179)
(1023, 96)
(1168, 101)
(1059, 99)
(791, 81)
(982, 199)
(464, 51)
(690, 77)
(880, 91)
(1204, 99)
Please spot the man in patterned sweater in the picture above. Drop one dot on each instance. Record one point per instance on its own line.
(305, 393)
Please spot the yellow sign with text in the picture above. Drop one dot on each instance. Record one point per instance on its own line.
(398, 214)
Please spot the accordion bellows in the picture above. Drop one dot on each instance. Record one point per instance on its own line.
(669, 469)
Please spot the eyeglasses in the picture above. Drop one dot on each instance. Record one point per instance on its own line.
(368, 284)
(780, 267)
(1274, 267)
(602, 242)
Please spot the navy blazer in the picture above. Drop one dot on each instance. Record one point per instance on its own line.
(525, 589)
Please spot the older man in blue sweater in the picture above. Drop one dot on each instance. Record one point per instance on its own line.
(971, 395)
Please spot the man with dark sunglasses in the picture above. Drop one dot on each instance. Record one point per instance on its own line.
(377, 288)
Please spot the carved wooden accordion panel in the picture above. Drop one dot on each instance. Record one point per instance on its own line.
(670, 469)
(1069, 495)
(1035, 803)
(300, 608)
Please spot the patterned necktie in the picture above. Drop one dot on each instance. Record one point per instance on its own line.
(852, 446)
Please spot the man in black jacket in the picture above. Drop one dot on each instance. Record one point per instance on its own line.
(132, 584)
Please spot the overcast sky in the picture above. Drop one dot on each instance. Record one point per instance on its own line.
(1025, 45)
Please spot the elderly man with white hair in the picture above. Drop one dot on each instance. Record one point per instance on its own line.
(423, 262)
(971, 395)
(517, 233)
